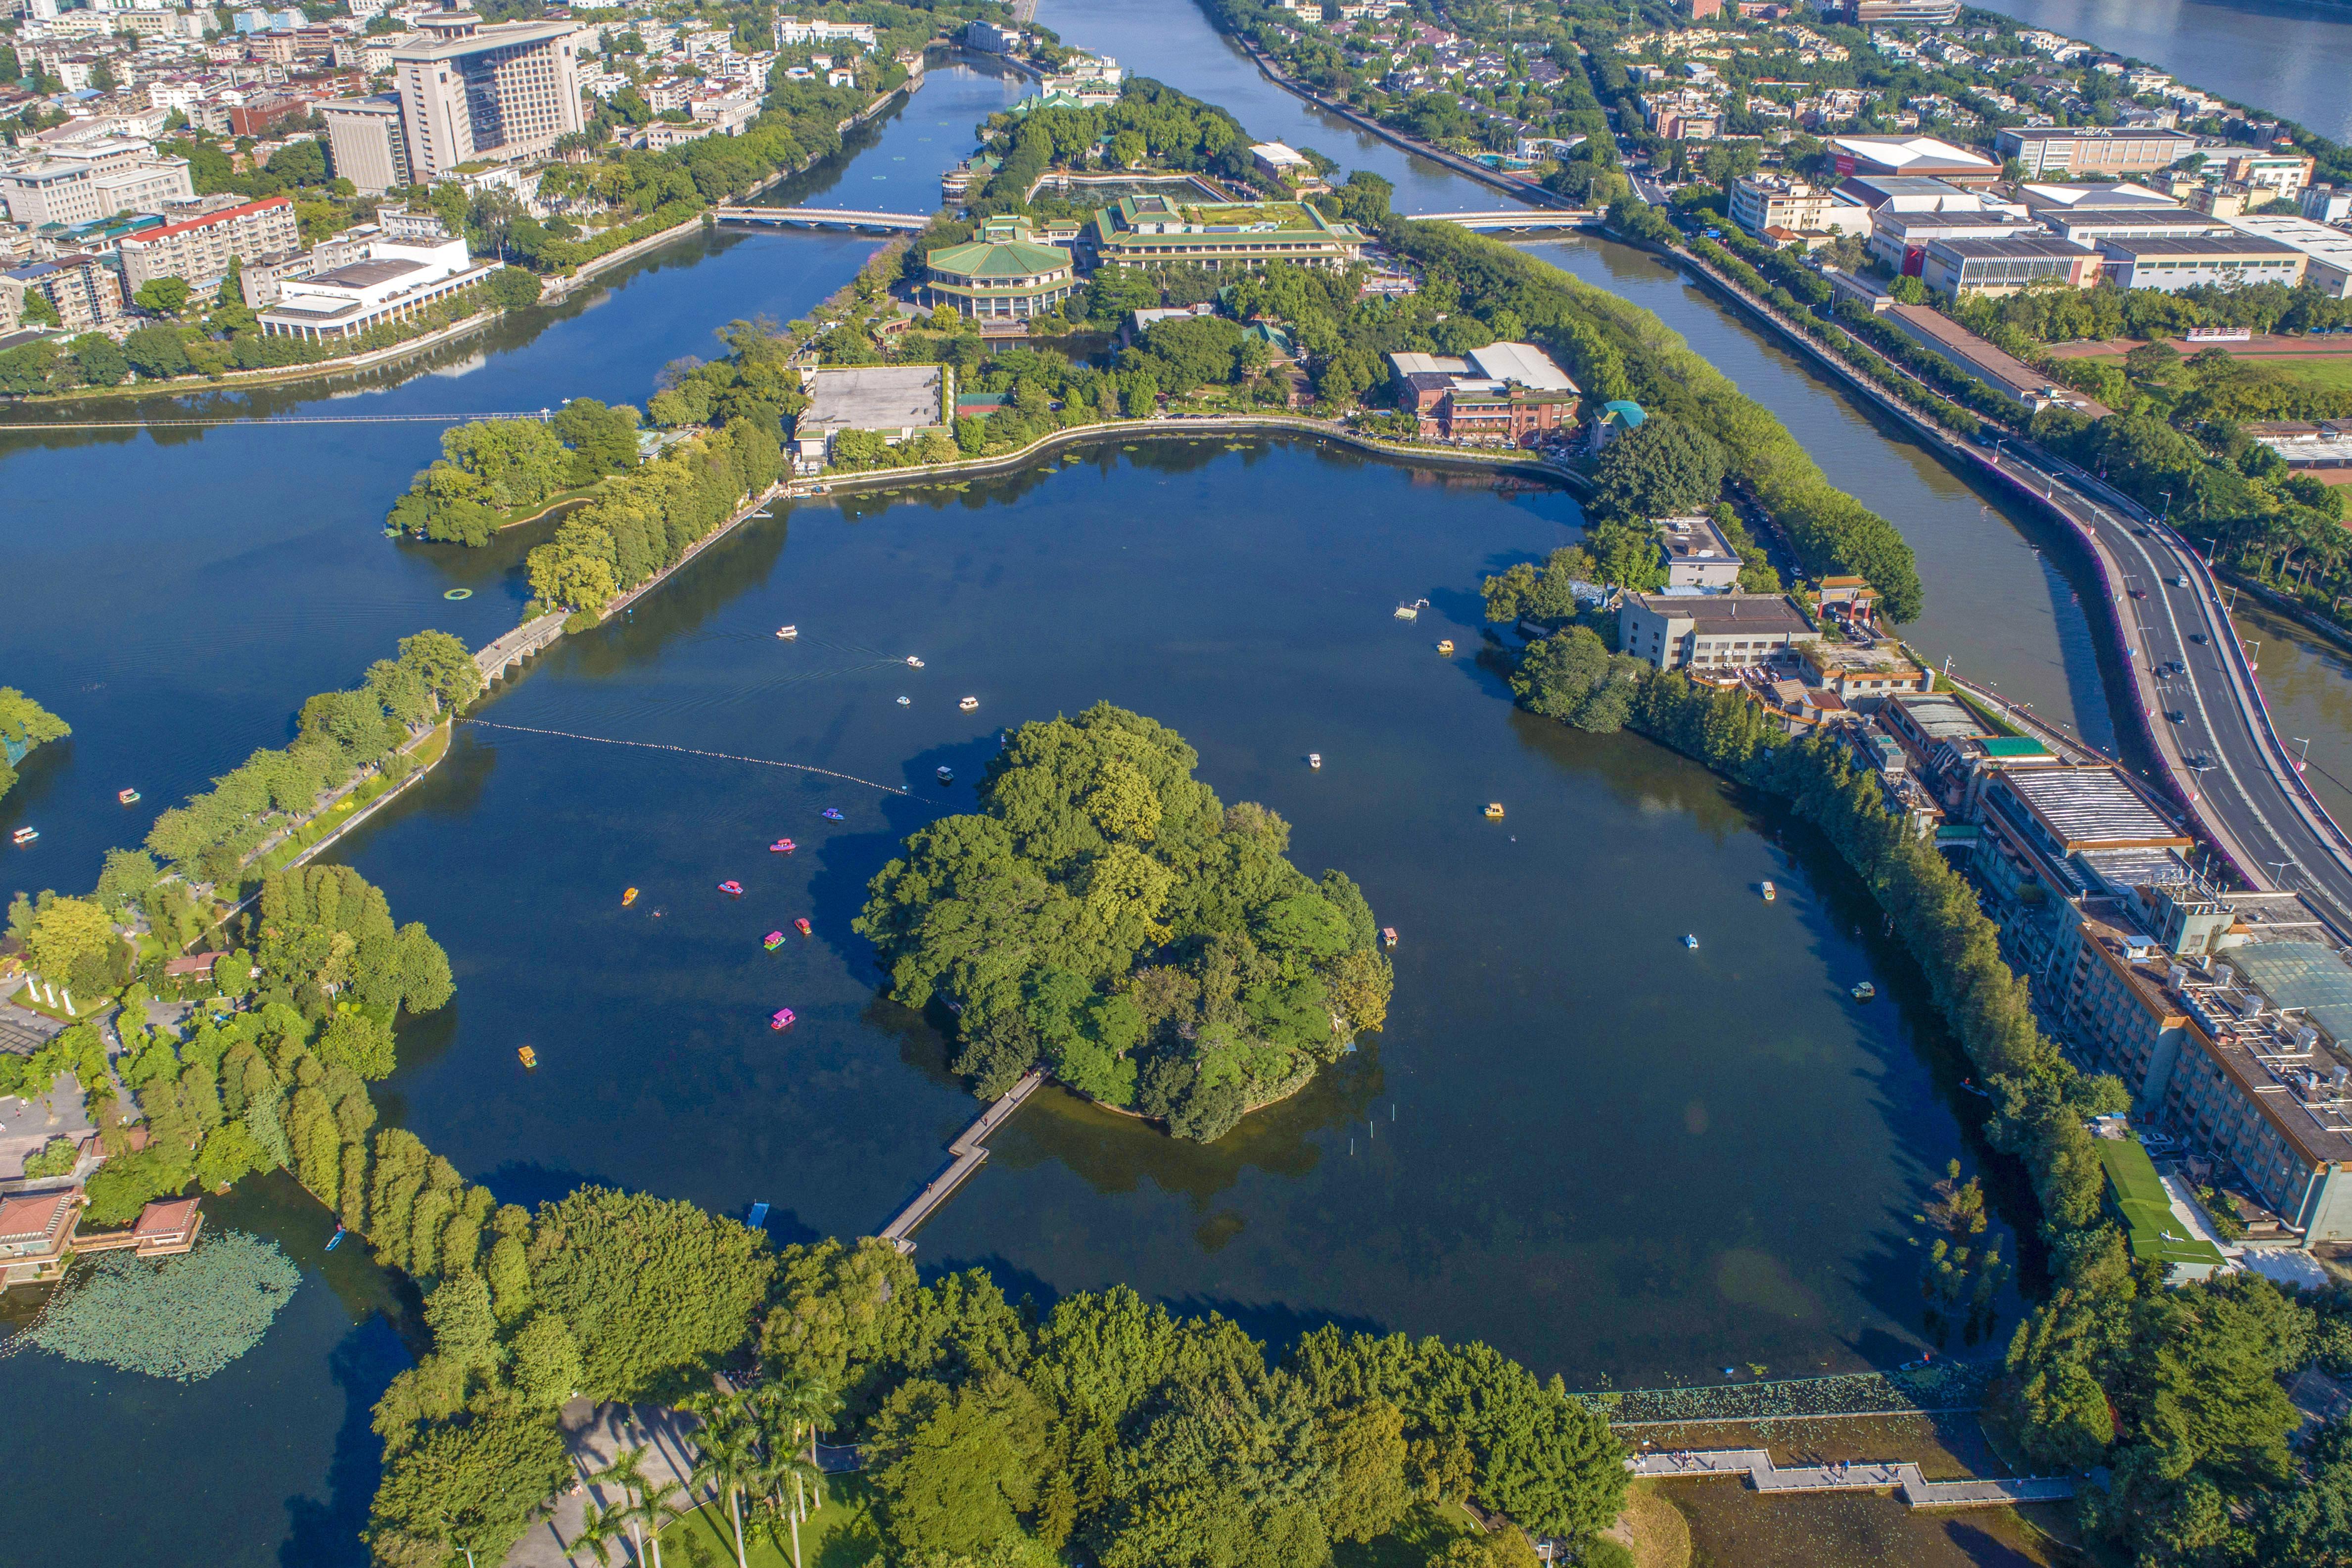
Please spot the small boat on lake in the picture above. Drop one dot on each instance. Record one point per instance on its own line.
(969, 704)
(628, 898)
(1446, 646)
(831, 814)
(1314, 759)
(1408, 612)
(1970, 1084)
(1388, 936)
(775, 939)
(802, 925)
(335, 1240)
(24, 836)
(1769, 891)
(126, 797)
(782, 846)
(1689, 940)
(905, 701)
(526, 1056)
(788, 632)
(947, 775)
(1865, 992)
(1495, 811)
(914, 663)
(759, 1216)
(731, 888)
(781, 1019)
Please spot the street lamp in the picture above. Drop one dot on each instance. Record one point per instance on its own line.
(2167, 506)
(2305, 756)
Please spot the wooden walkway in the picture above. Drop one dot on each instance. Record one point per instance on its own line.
(1904, 1478)
(969, 1152)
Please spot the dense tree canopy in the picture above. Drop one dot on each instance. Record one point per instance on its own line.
(492, 469)
(24, 724)
(1114, 1430)
(1105, 917)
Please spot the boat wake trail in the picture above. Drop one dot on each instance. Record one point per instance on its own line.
(689, 751)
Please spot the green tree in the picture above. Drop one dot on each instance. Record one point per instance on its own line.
(156, 352)
(98, 361)
(648, 1287)
(1663, 468)
(467, 1488)
(71, 938)
(162, 296)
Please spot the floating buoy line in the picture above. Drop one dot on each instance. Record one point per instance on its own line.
(689, 751)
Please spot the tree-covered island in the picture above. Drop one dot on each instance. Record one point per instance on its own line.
(1105, 917)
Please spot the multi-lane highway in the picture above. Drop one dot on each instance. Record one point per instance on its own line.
(2195, 687)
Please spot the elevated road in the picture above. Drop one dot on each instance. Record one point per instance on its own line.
(2192, 689)
(825, 217)
(2194, 685)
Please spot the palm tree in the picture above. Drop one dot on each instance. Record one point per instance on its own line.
(599, 1527)
(807, 1483)
(658, 1513)
(730, 1459)
(627, 1474)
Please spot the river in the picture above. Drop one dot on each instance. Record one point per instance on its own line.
(2292, 59)
(1608, 1156)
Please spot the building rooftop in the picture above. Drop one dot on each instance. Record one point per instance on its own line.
(2153, 1232)
(999, 250)
(1712, 615)
(2308, 975)
(1938, 717)
(2026, 244)
(2123, 195)
(1694, 538)
(1429, 364)
(1911, 155)
(366, 274)
(2314, 240)
(1525, 363)
(2091, 808)
(872, 397)
(2185, 247)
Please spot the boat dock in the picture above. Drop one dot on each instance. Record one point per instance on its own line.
(968, 1153)
(1904, 1478)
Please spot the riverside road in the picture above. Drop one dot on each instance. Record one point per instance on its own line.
(2195, 687)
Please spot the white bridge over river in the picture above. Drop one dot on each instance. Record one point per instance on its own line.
(825, 217)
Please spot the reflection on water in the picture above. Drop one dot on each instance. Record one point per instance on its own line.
(1174, 42)
(269, 1460)
(191, 587)
(2289, 58)
(1604, 1153)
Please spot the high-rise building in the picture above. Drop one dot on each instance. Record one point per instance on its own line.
(474, 91)
(365, 142)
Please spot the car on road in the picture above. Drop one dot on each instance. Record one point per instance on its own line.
(2139, 592)
(2199, 758)
(2175, 715)
(2196, 638)
(2182, 580)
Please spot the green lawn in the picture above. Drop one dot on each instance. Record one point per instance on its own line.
(2333, 373)
(844, 1534)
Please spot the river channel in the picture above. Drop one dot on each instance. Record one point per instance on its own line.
(1610, 1156)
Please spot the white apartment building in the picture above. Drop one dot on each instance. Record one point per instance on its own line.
(793, 30)
(201, 249)
(94, 180)
(365, 143)
(1692, 629)
(474, 91)
(1760, 201)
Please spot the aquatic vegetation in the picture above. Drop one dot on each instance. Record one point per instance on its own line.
(183, 1317)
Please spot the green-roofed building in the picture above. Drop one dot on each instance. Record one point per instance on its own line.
(1159, 230)
(2135, 1196)
(1003, 271)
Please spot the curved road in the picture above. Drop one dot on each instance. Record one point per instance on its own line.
(2196, 690)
